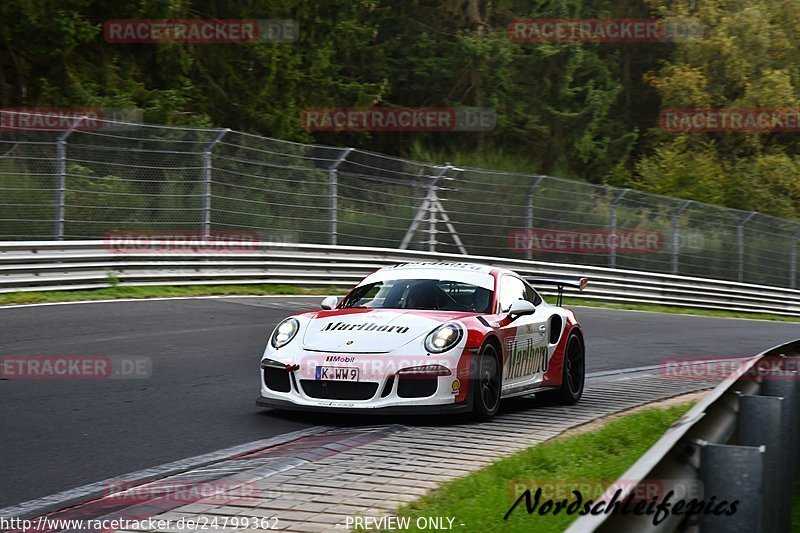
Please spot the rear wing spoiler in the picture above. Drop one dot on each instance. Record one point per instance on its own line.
(573, 283)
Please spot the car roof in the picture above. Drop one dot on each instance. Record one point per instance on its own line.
(473, 273)
(440, 265)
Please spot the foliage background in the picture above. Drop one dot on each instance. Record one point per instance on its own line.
(586, 111)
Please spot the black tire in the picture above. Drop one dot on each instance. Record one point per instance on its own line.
(573, 375)
(488, 383)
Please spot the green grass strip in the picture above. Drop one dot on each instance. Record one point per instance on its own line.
(680, 310)
(481, 499)
(165, 291)
(159, 291)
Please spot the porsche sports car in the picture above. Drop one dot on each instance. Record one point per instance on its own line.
(427, 337)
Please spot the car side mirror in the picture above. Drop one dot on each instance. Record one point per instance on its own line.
(521, 307)
(330, 302)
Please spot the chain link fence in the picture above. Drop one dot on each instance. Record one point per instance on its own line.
(91, 177)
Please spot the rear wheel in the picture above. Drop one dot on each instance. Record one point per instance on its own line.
(487, 384)
(573, 374)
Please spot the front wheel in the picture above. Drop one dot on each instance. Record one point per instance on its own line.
(487, 384)
(572, 375)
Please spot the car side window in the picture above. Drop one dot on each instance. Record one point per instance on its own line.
(511, 290)
(532, 296)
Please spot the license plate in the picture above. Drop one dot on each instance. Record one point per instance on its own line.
(336, 373)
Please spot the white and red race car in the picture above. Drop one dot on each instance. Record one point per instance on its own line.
(427, 337)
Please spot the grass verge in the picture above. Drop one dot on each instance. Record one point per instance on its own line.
(481, 499)
(165, 291)
(679, 310)
(159, 291)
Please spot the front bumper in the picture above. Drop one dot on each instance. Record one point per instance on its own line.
(451, 408)
(386, 390)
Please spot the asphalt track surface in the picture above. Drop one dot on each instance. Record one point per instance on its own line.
(59, 434)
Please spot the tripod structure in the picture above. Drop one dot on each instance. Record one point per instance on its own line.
(432, 209)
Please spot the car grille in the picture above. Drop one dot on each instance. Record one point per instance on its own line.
(276, 379)
(416, 386)
(338, 390)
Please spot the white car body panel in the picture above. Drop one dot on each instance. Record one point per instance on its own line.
(374, 331)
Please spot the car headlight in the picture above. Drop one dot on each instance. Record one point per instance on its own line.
(284, 333)
(444, 338)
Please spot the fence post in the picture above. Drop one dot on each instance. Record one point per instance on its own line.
(732, 473)
(760, 420)
(740, 243)
(612, 223)
(529, 214)
(333, 195)
(795, 240)
(61, 178)
(676, 217)
(207, 181)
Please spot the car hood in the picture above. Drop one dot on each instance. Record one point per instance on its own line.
(370, 330)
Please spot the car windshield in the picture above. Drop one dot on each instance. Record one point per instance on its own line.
(442, 295)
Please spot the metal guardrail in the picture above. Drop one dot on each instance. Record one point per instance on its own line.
(737, 444)
(65, 265)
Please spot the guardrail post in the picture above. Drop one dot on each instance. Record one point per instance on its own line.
(732, 473)
(207, 181)
(676, 218)
(740, 243)
(612, 226)
(783, 383)
(529, 213)
(333, 195)
(760, 419)
(795, 240)
(61, 178)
